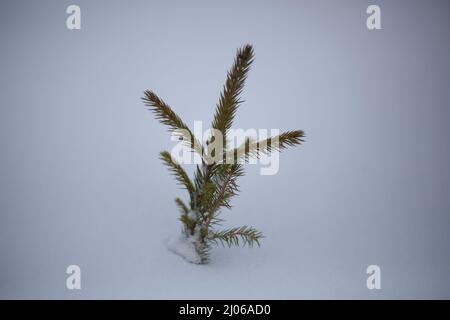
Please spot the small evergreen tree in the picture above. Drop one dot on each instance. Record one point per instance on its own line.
(215, 182)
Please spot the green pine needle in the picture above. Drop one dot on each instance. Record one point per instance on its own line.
(235, 236)
(229, 99)
(183, 208)
(178, 172)
(251, 148)
(167, 116)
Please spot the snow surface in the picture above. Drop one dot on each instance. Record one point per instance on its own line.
(184, 247)
(81, 182)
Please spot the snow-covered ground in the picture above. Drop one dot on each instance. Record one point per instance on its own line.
(81, 183)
